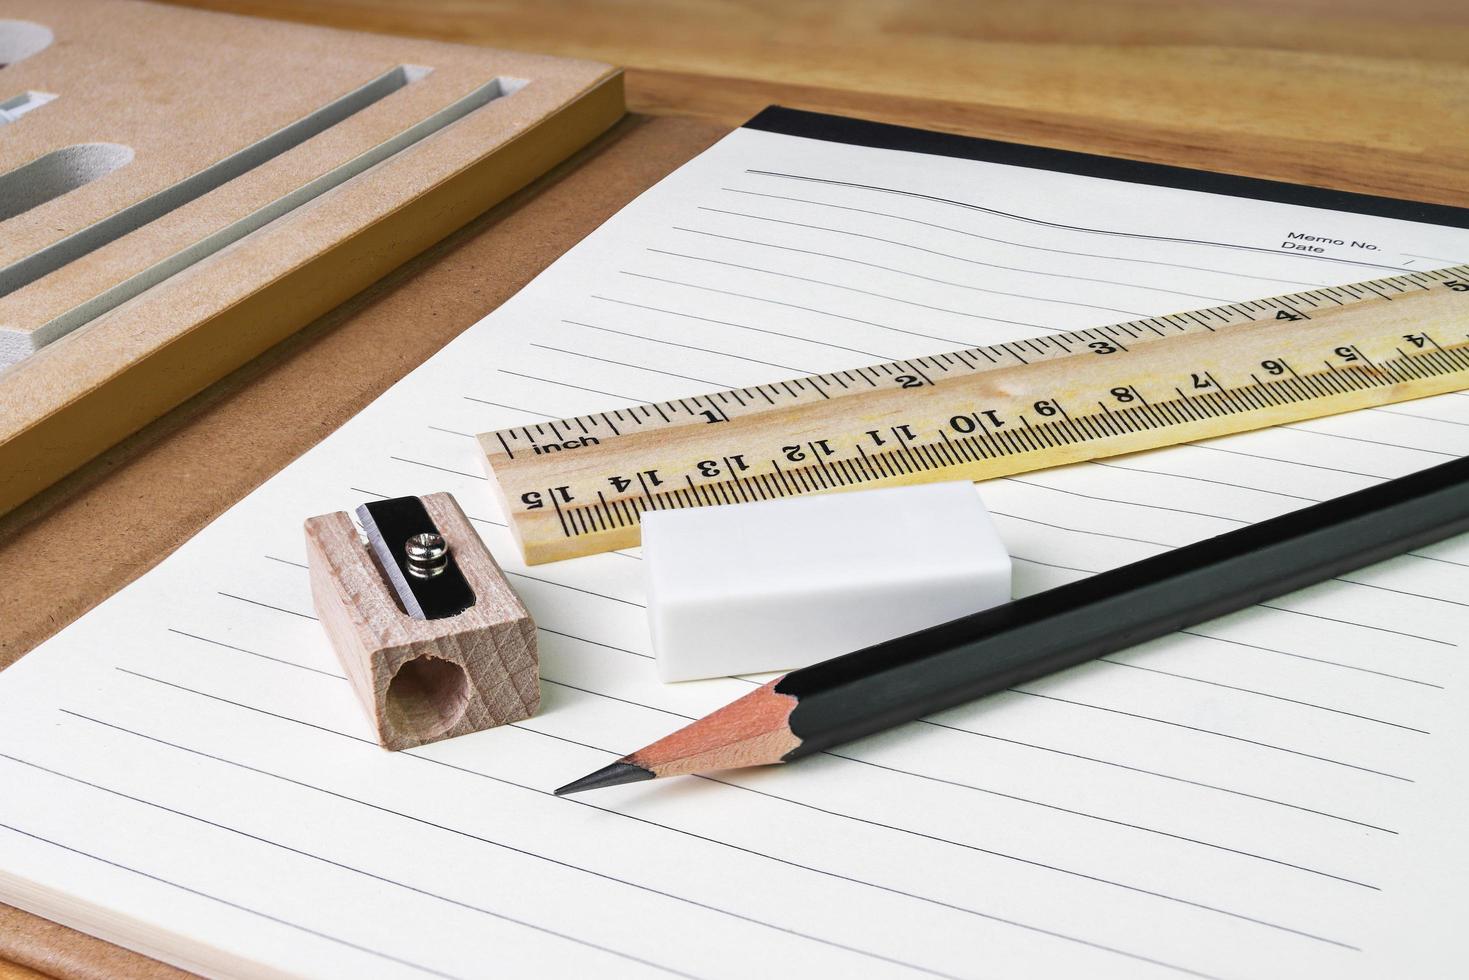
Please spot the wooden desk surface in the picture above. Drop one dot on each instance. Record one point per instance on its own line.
(1366, 94)
(1357, 94)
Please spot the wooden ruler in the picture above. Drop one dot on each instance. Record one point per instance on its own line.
(579, 485)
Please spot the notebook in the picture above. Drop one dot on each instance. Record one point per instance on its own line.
(184, 770)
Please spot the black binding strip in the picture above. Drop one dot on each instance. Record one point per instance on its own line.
(884, 136)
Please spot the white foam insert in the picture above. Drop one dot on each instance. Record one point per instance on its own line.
(782, 584)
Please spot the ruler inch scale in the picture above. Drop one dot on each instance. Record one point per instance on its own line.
(579, 485)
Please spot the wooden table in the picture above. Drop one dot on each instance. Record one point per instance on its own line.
(1361, 94)
(1354, 94)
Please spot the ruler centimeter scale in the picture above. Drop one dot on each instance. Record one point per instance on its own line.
(578, 486)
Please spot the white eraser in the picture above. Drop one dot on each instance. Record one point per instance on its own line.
(781, 584)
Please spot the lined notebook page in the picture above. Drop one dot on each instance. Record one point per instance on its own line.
(1276, 793)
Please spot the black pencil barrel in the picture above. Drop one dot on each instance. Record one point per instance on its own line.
(903, 679)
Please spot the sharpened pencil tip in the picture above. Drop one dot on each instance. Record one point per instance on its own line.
(613, 775)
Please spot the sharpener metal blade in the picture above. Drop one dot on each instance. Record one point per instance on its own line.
(388, 525)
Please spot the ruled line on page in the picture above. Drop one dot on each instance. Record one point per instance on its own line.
(929, 251)
(337, 864)
(685, 717)
(853, 880)
(446, 829)
(737, 786)
(1011, 796)
(225, 902)
(1001, 241)
(811, 309)
(884, 268)
(1060, 226)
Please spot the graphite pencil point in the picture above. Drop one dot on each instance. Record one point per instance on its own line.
(613, 775)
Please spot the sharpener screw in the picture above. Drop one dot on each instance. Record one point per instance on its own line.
(427, 555)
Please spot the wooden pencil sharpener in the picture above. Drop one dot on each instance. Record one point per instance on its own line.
(431, 635)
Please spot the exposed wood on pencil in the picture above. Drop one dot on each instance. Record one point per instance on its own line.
(753, 731)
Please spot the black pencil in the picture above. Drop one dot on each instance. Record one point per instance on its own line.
(887, 684)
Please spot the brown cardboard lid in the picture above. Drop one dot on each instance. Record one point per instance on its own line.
(177, 91)
(269, 171)
(126, 510)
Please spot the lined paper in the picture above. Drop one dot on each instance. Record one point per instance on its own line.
(1275, 793)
